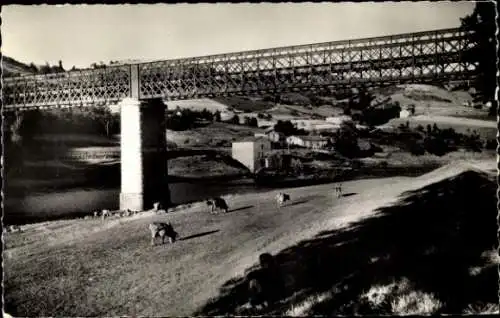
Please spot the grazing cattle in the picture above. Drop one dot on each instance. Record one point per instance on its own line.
(338, 190)
(281, 198)
(105, 213)
(265, 285)
(13, 228)
(217, 204)
(96, 214)
(156, 206)
(162, 230)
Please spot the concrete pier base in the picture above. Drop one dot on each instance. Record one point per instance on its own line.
(143, 155)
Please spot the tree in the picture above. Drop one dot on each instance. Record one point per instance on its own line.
(46, 69)
(285, 127)
(235, 120)
(483, 22)
(217, 116)
(15, 129)
(346, 140)
(251, 121)
(33, 67)
(104, 117)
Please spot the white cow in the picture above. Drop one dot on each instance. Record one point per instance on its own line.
(281, 198)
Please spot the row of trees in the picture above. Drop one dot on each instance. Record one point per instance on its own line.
(483, 22)
(91, 120)
(436, 141)
(187, 119)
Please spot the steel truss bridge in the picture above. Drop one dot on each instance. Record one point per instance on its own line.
(423, 57)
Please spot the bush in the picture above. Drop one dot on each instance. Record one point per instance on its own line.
(490, 144)
(416, 149)
(346, 140)
(235, 120)
(285, 127)
(251, 121)
(435, 146)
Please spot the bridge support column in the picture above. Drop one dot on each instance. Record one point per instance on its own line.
(143, 155)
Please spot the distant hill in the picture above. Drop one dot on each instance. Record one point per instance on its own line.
(11, 67)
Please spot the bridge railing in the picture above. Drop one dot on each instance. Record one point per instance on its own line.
(417, 56)
(79, 87)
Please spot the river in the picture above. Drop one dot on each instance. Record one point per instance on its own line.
(69, 203)
(74, 202)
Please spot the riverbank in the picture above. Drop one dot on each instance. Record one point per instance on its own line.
(213, 253)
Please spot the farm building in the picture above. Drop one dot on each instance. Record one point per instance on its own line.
(275, 136)
(338, 119)
(328, 127)
(251, 152)
(307, 124)
(405, 113)
(312, 142)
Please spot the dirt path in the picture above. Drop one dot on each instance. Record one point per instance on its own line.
(90, 267)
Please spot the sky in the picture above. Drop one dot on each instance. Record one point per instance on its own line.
(83, 34)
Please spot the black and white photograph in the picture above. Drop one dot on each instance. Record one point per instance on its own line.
(250, 159)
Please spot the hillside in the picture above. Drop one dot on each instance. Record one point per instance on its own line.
(430, 100)
(11, 67)
(197, 104)
(200, 273)
(212, 135)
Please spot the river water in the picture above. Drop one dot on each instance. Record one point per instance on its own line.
(80, 201)
(74, 202)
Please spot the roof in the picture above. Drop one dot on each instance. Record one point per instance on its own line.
(311, 138)
(252, 138)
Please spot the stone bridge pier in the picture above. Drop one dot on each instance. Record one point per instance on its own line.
(143, 154)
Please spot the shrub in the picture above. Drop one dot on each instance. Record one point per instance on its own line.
(490, 144)
(235, 120)
(435, 146)
(416, 149)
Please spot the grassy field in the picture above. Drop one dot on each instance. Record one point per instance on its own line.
(213, 135)
(95, 268)
(201, 166)
(197, 104)
(487, 129)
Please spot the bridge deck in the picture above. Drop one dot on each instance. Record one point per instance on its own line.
(432, 56)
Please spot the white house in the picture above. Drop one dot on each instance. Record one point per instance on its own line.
(312, 142)
(338, 120)
(226, 115)
(251, 152)
(404, 113)
(326, 127)
(306, 124)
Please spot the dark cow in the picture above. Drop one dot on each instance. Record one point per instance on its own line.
(162, 230)
(338, 190)
(217, 204)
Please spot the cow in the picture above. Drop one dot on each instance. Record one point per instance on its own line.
(105, 213)
(338, 190)
(217, 204)
(265, 285)
(281, 198)
(162, 230)
(13, 228)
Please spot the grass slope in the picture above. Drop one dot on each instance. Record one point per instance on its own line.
(93, 267)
